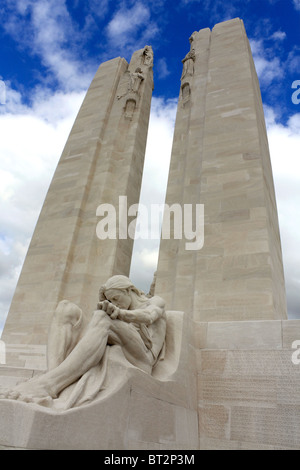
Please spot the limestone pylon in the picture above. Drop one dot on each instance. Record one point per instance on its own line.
(228, 376)
(220, 158)
(102, 160)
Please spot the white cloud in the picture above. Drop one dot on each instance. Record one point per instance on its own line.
(284, 142)
(296, 4)
(127, 20)
(158, 151)
(47, 30)
(293, 61)
(162, 68)
(98, 8)
(31, 143)
(28, 163)
(153, 191)
(278, 36)
(145, 263)
(267, 68)
(131, 27)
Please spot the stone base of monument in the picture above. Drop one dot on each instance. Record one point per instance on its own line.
(248, 384)
(134, 411)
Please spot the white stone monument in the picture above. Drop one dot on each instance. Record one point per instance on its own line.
(208, 360)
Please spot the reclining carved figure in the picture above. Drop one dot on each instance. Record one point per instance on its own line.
(78, 350)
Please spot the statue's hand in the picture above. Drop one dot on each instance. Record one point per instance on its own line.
(110, 309)
(103, 305)
(113, 311)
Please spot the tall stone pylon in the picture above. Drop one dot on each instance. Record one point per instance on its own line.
(220, 158)
(102, 160)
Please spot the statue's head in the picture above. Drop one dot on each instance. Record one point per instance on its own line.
(192, 37)
(120, 291)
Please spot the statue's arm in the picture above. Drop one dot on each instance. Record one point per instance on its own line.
(147, 315)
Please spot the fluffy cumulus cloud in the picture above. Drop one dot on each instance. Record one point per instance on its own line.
(162, 68)
(27, 166)
(60, 34)
(131, 26)
(46, 29)
(156, 168)
(296, 4)
(127, 20)
(278, 35)
(284, 142)
(268, 67)
(293, 60)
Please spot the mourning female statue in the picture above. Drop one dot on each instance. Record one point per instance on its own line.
(188, 61)
(77, 349)
(147, 56)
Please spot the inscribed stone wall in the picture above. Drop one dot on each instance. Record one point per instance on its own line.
(248, 385)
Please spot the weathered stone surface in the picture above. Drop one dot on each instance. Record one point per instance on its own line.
(239, 389)
(248, 396)
(220, 158)
(142, 412)
(102, 160)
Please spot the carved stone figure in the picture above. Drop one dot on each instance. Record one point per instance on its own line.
(77, 350)
(134, 83)
(135, 80)
(147, 56)
(152, 287)
(192, 37)
(188, 61)
(185, 92)
(188, 64)
(129, 108)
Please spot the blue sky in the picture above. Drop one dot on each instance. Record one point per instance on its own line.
(50, 51)
(59, 45)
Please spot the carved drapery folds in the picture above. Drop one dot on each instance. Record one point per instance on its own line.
(185, 92)
(147, 56)
(188, 64)
(129, 108)
(134, 83)
(187, 72)
(135, 80)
